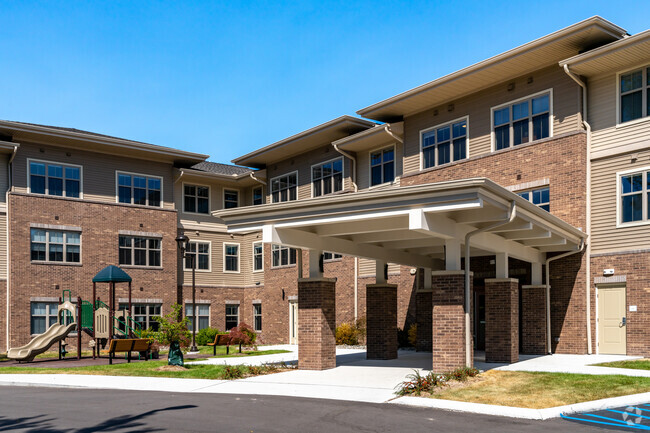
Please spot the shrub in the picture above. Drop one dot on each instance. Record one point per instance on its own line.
(461, 374)
(360, 324)
(233, 371)
(413, 335)
(172, 328)
(347, 334)
(206, 335)
(243, 335)
(416, 383)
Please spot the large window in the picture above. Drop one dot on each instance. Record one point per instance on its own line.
(443, 144)
(144, 314)
(284, 188)
(230, 257)
(54, 179)
(139, 189)
(55, 246)
(202, 316)
(634, 99)
(140, 251)
(382, 166)
(230, 198)
(522, 121)
(43, 315)
(196, 199)
(198, 252)
(283, 256)
(232, 316)
(258, 256)
(539, 197)
(634, 201)
(258, 196)
(257, 316)
(327, 177)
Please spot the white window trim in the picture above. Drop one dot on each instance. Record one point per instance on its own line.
(551, 118)
(223, 196)
(619, 175)
(183, 198)
(47, 249)
(132, 266)
(253, 264)
(197, 316)
(147, 303)
(643, 119)
(117, 188)
(530, 196)
(270, 191)
(261, 188)
(450, 123)
(311, 175)
(289, 265)
(394, 181)
(63, 164)
(199, 241)
(238, 258)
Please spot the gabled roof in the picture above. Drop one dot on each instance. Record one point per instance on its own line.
(223, 169)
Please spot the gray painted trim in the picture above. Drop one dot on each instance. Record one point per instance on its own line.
(621, 253)
(198, 301)
(141, 300)
(145, 234)
(609, 280)
(293, 298)
(231, 302)
(55, 227)
(44, 299)
(257, 301)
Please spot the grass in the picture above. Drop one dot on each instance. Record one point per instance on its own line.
(639, 364)
(542, 390)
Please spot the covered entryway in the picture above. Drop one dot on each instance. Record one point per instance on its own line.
(612, 321)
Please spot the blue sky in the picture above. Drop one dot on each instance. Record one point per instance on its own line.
(224, 78)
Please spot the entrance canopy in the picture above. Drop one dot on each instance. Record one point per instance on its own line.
(412, 226)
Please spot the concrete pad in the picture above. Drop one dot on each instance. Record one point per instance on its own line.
(580, 364)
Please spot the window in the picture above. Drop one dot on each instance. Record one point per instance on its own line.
(539, 197)
(635, 196)
(144, 314)
(230, 198)
(139, 189)
(257, 316)
(202, 316)
(258, 256)
(232, 316)
(284, 188)
(443, 144)
(54, 179)
(382, 166)
(328, 257)
(230, 257)
(139, 251)
(327, 177)
(43, 315)
(258, 196)
(633, 89)
(522, 121)
(283, 256)
(202, 251)
(196, 199)
(55, 246)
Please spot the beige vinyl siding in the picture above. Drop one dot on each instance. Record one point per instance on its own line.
(367, 268)
(3, 245)
(99, 178)
(363, 168)
(566, 109)
(605, 236)
(4, 180)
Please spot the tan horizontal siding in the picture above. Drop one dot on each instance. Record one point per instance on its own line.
(367, 268)
(363, 168)
(4, 179)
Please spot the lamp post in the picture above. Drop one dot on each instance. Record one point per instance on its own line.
(183, 241)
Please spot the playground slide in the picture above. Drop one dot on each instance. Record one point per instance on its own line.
(41, 343)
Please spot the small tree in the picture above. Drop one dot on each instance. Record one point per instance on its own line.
(172, 331)
(243, 335)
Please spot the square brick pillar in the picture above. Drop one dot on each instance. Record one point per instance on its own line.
(423, 316)
(316, 323)
(533, 319)
(381, 321)
(502, 320)
(448, 320)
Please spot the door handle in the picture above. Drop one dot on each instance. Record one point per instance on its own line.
(623, 321)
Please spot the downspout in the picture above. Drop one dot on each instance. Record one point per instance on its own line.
(356, 289)
(354, 166)
(468, 331)
(256, 179)
(389, 132)
(548, 292)
(9, 187)
(588, 198)
(179, 177)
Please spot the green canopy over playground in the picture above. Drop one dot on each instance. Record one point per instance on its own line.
(112, 274)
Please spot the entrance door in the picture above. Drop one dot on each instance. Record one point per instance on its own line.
(611, 320)
(293, 322)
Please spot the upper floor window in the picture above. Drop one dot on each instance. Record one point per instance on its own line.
(382, 166)
(54, 179)
(283, 256)
(522, 121)
(55, 246)
(258, 256)
(258, 196)
(634, 99)
(634, 196)
(284, 188)
(139, 251)
(539, 197)
(198, 253)
(443, 144)
(230, 198)
(230, 257)
(327, 177)
(139, 189)
(329, 257)
(196, 199)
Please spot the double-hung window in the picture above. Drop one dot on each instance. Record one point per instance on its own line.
(230, 198)
(257, 317)
(445, 143)
(634, 89)
(258, 256)
(329, 257)
(522, 121)
(327, 177)
(43, 315)
(539, 197)
(196, 199)
(258, 196)
(230, 257)
(143, 314)
(634, 200)
(283, 256)
(54, 179)
(232, 316)
(55, 246)
(198, 253)
(202, 316)
(139, 189)
(284, 188)
(139, 251)
(382, 166)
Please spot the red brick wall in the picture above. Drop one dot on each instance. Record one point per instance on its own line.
(448, 321)
(382, 321)
(533, 320)
(502, 320)
(316, 324)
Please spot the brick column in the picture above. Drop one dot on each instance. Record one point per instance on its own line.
(501, 320)
(381, 321)
(316, 323)
(448, 320)
(533, 319)
(423, 316)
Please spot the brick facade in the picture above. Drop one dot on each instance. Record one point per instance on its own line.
(316, 324)
(502, 320)
(424, 309)
(533, 320)
(381, 304)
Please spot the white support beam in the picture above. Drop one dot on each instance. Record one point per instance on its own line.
(496, 244)
(380, 272)
(519, 235)
(414, 243)
(480, 216)
(361, 226)
(395, 235)
(314, 264)
(514, 226)
(432, 225)
(553, 240)
(536, 274)
(452, 255)
(501, 262)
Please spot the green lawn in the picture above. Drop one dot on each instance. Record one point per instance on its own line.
(639, 364)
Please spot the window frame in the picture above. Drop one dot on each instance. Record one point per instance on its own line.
(147, 249)
(198, 316)
(311, 174)
(295, 172)
(199, 241)
(62, 164)
(146, 176)
(47, 316)
(530, 197)
(65, 247)
(223, 195)
(280, 248)
(645, 95)
(149, 316)
(383, 183)
(551, 118)
(225, 244)
(261, 189)
(451, 140)
(196, 197)
(256, 315)
(253, 253)
(644, 171)
(335, 257)
(225, 317)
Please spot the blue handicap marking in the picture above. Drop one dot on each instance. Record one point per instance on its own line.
(620, 418)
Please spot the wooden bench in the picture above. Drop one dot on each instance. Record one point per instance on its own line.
(127, 345)
(220, 340)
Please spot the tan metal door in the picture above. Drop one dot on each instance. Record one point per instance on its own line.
(611, 320)
(293, 323)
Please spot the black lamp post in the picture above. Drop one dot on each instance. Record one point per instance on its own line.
(183, 241)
